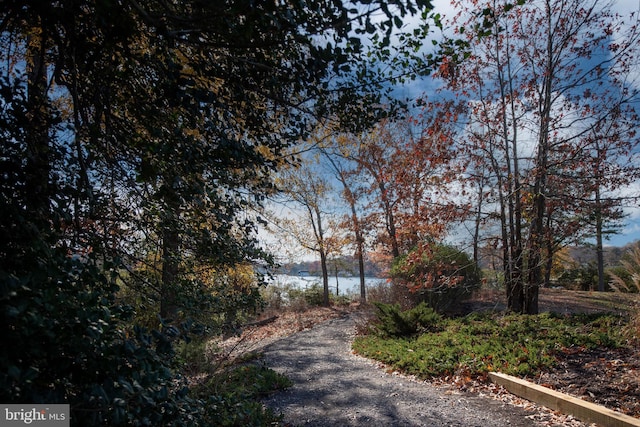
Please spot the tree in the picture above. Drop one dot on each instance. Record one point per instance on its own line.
(409, 163)
(373, 154)
(313, 229)
(350, 196)
(156, 126)
(534, 78)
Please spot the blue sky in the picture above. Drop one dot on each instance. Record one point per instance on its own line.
(631, 229)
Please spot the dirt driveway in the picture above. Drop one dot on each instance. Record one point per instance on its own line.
(333, 387)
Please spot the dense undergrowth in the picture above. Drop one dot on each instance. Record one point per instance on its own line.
(473, 345)
(231, 390)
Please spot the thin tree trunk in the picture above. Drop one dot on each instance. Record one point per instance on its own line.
(168, 297)
(37, 167)
(599, 243)
(170, 259)
(323, 256)
(325, 278)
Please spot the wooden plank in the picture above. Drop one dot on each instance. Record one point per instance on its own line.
(584, 411)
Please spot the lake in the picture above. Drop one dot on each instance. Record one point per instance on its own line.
(345, 285)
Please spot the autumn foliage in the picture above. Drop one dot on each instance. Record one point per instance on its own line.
(547, 129)
(437, 274)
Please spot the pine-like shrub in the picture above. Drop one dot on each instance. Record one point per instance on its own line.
(393, 322)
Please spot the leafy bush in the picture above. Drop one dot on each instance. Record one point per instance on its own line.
(392, 322)
(580, 278)
(69, 344)
(313, 295)
(214, 300)
(439, 275)
(232, 395)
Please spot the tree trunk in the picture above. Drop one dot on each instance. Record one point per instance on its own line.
(363, 288)
(170, 256)
(37, 167)
(359, 248)
(389, 219)
(168, 297)
(325, 278)
(536, 238)
(478, 221)
(599, 243)
(323, 254)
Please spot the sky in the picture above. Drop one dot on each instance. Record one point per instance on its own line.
(631, 229)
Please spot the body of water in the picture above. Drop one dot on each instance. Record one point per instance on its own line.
(341, 286)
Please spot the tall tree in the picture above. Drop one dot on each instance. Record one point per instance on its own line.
(528, 76)
(408, 166)
(350, 194)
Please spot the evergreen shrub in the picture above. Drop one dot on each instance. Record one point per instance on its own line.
(393, 322)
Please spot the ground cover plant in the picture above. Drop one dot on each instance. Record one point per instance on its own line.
(473, 345)
(230, 387)
(233, 395)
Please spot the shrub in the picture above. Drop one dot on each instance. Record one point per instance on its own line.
(314, 295)
(476, 344)
(70, 344)
(393, 322)
(232, 395)
(438, 275)
(581, 278)
(627, 277)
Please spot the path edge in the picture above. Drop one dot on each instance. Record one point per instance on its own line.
(580, 409)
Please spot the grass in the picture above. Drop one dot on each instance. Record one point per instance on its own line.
(474, 345)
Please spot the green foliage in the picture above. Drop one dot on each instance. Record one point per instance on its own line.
(232, 395)
(234, 411)
(474, 345)
(69, 345)
(393, 322)
(229, 389)
(582, 278)
(314, 295)
(439, 275)
(250, 380)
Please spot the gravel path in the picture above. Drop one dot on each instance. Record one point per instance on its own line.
(333, 387)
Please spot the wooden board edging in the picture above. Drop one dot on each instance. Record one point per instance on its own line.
(582, 410)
